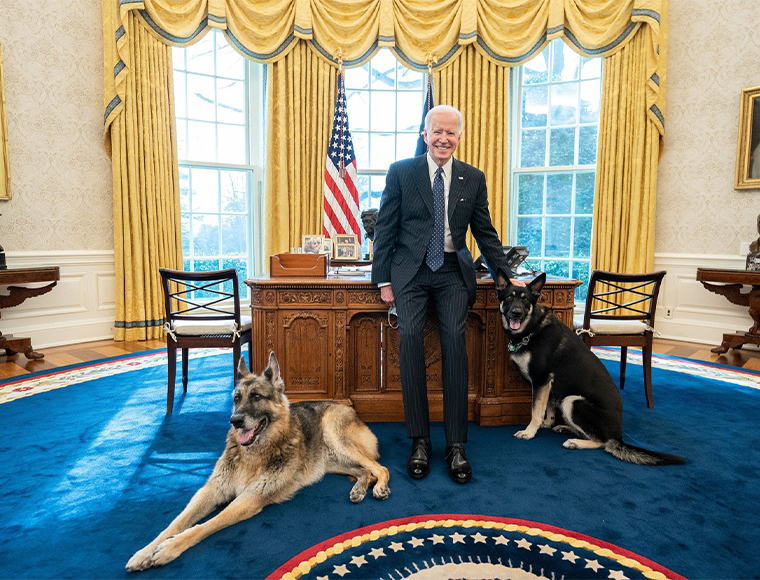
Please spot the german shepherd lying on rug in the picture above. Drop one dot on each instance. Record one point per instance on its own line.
(273, 450)
(572, 389)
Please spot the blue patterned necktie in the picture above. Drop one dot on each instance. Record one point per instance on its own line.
(434, 258)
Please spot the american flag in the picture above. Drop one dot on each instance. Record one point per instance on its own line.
(421, 145)
(341, 197)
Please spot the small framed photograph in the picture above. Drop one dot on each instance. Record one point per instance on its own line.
(313, 244)
(345, 239)
(346, 251)
(327, 247)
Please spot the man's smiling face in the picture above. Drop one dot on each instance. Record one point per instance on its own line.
(443, 137)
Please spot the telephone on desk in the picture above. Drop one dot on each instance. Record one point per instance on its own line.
(515, 256)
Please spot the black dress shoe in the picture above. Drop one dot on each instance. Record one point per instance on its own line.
(460, 469)
(418, 465)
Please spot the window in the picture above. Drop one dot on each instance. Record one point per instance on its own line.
(556, 120)
(218, 108)
(385, 101)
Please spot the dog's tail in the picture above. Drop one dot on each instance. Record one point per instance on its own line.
(617, 448)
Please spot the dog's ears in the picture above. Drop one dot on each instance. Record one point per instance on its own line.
(537, 284)
(242, 368)
(502, 280)
(272, 372)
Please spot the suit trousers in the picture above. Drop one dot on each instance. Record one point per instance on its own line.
(448, 293)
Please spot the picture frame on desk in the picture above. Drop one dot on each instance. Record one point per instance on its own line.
(345, 239)
(313, 244)
(346, 252)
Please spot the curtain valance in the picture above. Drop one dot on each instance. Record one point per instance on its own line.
(506, 33)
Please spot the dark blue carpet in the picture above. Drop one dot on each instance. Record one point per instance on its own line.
(92, 472)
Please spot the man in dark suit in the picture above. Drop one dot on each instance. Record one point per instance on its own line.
(420, 255)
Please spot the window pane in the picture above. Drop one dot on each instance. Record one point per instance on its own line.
(566, 63)
(529, 234)
(409, 112)
(531, 194)
(383, 111)
(584, 192)
(361, 148)
(383, 70)
(205, 192)
(357, 78)
(562, 147)
(536, 69)
(564, 104)
(180, 92)
(358, 106)
(234, 191)
(184, 189)
(200, 56)
(362, 188)
(378, 185)
(535, 106)
(581, 271)
(201, 141)
(231, 106)
(591, 68)
(182, 139)
(229, 62)
(582, 241)
(234, 235)
(557, 237)
(559, 193)
(186, 238)
(406, 144)
(533, 148)
(382, 152)
(557, 268)
(410, 80)
(590, 102)
(587, 145)
(200, 97)
(206, 236)
(232, 144)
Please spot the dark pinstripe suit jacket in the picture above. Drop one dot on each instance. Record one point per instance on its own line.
(405, 222)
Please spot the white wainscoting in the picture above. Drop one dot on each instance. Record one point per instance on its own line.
(686, 310)
(81, 307)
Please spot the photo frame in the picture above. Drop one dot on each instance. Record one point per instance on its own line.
(748, 146)
(327, 247)
(345, 239)
(313, 244)
(346, 252)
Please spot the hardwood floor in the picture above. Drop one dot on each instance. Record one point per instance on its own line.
(60, 356)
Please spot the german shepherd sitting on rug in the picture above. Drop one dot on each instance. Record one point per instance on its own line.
(273, 450)
(569, 382)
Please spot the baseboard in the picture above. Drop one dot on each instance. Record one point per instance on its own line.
(80, 308)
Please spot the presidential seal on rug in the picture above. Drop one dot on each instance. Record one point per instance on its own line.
(572, 390)
(273, 450)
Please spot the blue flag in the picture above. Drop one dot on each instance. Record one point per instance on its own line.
(421, 145)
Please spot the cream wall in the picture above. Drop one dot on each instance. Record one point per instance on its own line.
(61, 211)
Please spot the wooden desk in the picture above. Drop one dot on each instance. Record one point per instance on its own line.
(332, 339)
(730, 284)
(17, 294)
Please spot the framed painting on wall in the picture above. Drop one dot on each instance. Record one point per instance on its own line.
(748, 146)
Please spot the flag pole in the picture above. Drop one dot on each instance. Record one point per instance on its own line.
(339, 58)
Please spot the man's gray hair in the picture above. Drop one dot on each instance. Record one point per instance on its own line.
(442, 109)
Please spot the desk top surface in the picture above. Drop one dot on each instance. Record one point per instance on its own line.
(728, 276)
(29, 275)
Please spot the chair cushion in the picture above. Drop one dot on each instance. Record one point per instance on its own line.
(199, 327)
(612, 326)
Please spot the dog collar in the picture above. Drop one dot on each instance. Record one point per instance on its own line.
(513, 347)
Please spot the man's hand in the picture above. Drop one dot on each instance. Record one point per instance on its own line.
(386, 295)
(516, 282)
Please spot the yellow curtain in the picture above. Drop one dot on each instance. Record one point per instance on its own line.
(630, 141)
(300, 103)
(480, 89)
(142, 142)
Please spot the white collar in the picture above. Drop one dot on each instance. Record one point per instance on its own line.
(433, 166)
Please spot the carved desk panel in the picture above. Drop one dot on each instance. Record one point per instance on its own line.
(333, 341)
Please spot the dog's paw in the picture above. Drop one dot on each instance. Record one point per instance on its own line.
(381, 491)
(525, 434)
(358, 492)
(563, 429)
(571, 444)
(167, 551)
(140, 561)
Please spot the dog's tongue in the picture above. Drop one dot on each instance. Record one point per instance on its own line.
(514, 324)
(245, 436)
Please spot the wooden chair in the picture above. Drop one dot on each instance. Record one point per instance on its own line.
(620, 311)
(195, 317)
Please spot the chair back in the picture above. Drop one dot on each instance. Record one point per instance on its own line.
(613, 296)
(199, 296)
